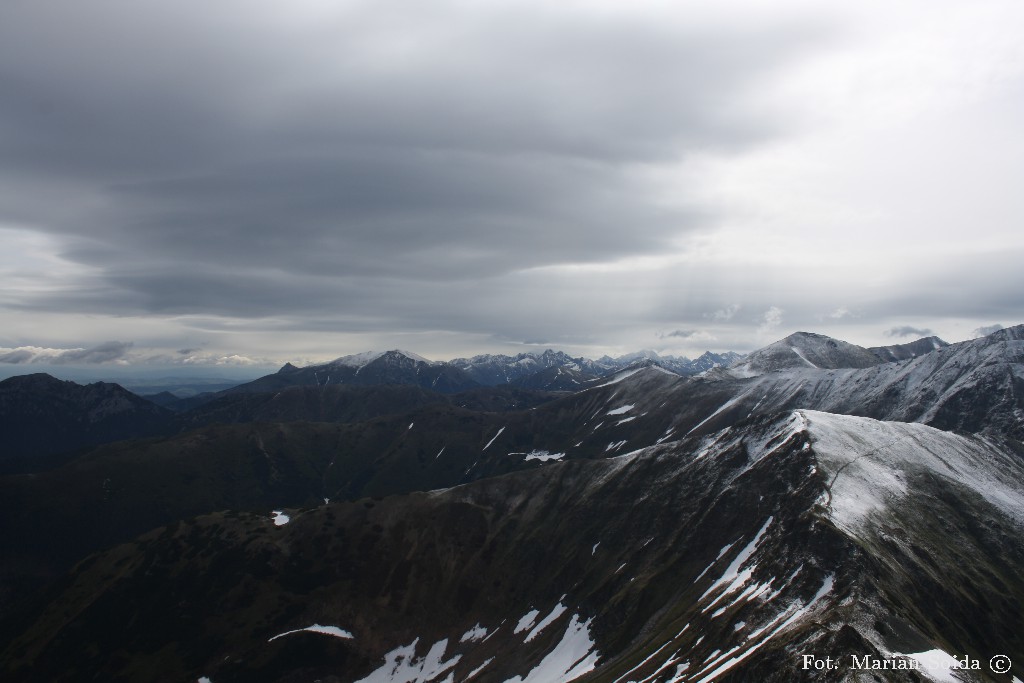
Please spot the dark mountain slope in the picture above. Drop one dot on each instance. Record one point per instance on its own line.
(717, 558)
(496, 369)
(392, 367)
(348, 403)
(972, 386)
(898, 352)
(554, 379)
(41, 415)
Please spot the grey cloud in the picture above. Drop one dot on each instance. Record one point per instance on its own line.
(242, 166)
(102, 353)
(987, 330)
(908, 331)
(724, 314)
(985, 285)
(681, 334)
(17, 356)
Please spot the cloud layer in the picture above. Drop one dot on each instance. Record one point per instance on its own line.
(478, 173)
(106, 352)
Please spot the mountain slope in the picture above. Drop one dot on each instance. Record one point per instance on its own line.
(648, 527)
(898, 352)
(716, 558)
(391, 367)
(804, 350)
(41, 415)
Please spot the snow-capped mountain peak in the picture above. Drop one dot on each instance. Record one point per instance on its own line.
(357, 360)
(804, 350)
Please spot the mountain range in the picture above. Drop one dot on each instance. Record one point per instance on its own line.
(387, 518)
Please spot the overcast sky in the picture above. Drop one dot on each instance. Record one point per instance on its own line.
(237, 182)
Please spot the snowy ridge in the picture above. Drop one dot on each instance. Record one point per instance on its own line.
(872, 465)
(970, 386)
(358, 360)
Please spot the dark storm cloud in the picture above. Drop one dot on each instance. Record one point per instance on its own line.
(908, 331)
(220, 160)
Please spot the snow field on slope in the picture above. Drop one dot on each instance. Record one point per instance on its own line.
(870, 463)
(572, 656)
(402, 666)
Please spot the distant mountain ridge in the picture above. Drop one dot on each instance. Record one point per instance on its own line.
(459, 374)
(39, 413)
(811, 350)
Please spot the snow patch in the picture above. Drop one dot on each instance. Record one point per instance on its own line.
(527, 621)
(725, 406)
(317, 628)
(936, 665)
(402, 666)
(280, 519)
(802, 356)
(727, 660)
(474, 634)
(545, 622)
(493, 438)
(621, 410)
(732, 575)
(572, 657)
(619, 377)
(543, 456)
(477, 670)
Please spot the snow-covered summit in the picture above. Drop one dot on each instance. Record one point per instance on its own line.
(358, 360)
(804, 350)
